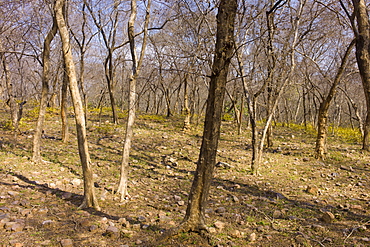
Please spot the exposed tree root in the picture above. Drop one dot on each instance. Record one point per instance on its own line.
(186, 226)
(89, 204)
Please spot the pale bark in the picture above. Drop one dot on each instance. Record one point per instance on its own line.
(322, 122)
(36, 153)
(64, 107)
(89, 194)
(11, 97)
(136, 65)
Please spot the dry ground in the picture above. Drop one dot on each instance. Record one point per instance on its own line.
(287, 205)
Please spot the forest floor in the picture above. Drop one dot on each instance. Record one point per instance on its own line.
(295, 201)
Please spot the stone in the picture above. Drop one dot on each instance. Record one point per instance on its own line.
(93, 228)
(219, 225)
(67, 195)
(66, 242)
(112, 231)
(17, 227)
(47, 222)
(124, 222)
(181, 203)
(312, 189)
(327, 217)
(136, 226)
(177, 198)
(8, 225)
(43, 211)
(85, 223)
(236, 234)
(346, 168)
(235, 199)
(252, 237)
(318, 228)
(12, 193)
(76, 182)
(277, 214)
(26, 212)
(220, 210)
(212, 230)
(223, 165)
(141, 218)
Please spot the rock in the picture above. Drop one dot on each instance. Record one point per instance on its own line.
(76, 182)
(212, 230)
(85, 223)
(145, 226)
(219, 225)
(66, 242)
(43, 211)
(177, 198)
(208, 211)
(67, 195)
(12, 193)
(93, 228)
(136, 226)
(138, 242)
(224, 165)
(8, 225)
(26, 212)
(46, 243)
(220, 210)
(327, 217)
(47, 222)
(358, 207)
(347, 168)
(236, 234)
(318, 228)
(277, 214)
(124, 222)
(141, 218)
(312, 189)
(181, 203)
(252, 237)
(17, 227)
(235, 199)
(112, 231)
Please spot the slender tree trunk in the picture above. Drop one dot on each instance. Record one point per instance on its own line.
(11, 98)
(64, 106)
(322, 122)
(89, 193)
(362, 34)
(110, 81)
(136, 65)
(186, 110)
(194, 219)
(36, 156)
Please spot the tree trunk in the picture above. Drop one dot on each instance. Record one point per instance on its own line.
(36, 156)
(64, 106)
(322, 121)
(362, 34)
(194, 218)
(186, 110)
(136, 65)
(89, 193)
(11, 100)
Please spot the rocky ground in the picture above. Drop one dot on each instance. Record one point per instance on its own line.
(296, 201)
